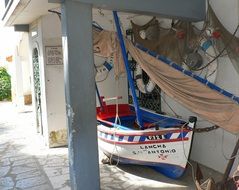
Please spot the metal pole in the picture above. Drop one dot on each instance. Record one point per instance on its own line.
(97, 89)
(126, 63)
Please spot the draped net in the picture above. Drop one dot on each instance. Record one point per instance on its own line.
(200, 99)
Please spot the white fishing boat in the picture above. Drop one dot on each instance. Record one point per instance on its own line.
(164, 143)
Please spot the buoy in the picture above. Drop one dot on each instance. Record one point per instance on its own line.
(102, 71)
(144, 88)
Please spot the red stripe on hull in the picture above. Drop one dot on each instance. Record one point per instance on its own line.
(144, 142)
(159, 132)
(136, 133)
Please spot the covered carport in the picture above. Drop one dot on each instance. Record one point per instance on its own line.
(79, 74)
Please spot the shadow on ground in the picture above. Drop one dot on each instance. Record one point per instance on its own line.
(25, 163)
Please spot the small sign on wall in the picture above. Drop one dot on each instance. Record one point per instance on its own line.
(54, 55)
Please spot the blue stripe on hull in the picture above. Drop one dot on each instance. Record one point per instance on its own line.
(169, 170)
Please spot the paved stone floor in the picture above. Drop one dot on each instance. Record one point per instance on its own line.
(25, 163)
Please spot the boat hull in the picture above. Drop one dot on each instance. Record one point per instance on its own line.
(169, 170)
(165, 149)
(168, 154)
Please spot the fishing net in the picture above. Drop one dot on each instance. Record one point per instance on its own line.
(180, 40)
(200, 99)
(174, 43)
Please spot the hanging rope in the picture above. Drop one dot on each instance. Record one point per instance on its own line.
(184, 153)
(221, 52)
(223, 152)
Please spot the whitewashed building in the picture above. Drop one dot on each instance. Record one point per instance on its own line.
(40, 53)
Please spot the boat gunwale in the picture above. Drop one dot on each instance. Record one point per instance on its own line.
(118, 132)
(144, 142)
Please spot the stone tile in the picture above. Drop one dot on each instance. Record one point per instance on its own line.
(33, 164)
(104, 174)
(31, 182)
(6, 183)
(18, 157)
(59, 181)
(51, 172)
(105, 188)
(65, 170)
(54, 171)
(4, 162)
(126, 184)
(136, 188)
(28, 174)
(65, 188)
(54, 162)
(67, 163)
(23, 162)
(4, 170)
(22, 169)
(42, 161)
(3, 147)
(7, 188)
(10, 154)
(106, 180)
(41, 187)
(113, 187)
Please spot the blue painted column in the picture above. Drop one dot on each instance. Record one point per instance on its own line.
(80, 95)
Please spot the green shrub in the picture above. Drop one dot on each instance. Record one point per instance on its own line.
(5, 85)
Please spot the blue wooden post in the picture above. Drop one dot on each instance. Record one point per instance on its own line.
(80, 95)
(126, 63)
(98, 96)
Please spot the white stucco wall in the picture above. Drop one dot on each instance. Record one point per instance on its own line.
(20, 71)
(17, 80)
(54, 83)
(24, 58)
(37, 42)
(110, 87)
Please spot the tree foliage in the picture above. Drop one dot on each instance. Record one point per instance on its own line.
(5, 84)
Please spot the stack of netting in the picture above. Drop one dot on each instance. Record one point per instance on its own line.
(174, 42)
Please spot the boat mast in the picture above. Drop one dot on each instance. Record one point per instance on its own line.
(98, 96)
(126, 63)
